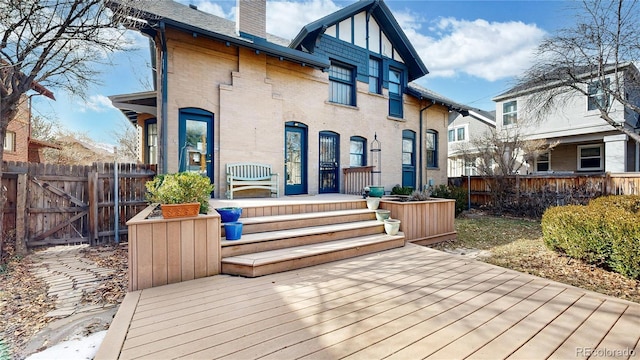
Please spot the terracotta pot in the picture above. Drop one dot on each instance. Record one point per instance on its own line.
(170, 211)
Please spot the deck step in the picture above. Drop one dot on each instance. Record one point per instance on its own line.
(287, 238)
(273, 261)
(258, 224)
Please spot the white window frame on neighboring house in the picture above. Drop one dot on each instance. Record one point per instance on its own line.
(580, 157)
(455, 131)
(509, 117)
(597, 95)
(10, 141)
(547, 161)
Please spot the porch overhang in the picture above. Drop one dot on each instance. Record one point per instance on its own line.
(131, 105)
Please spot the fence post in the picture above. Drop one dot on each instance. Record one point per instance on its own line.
(21, 215)
(93, 206)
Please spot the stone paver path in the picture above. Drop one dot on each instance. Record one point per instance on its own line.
(68, 274)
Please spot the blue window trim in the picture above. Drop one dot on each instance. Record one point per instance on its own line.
(351, 82)
(435, 149)
(396, 98)
(364, 149)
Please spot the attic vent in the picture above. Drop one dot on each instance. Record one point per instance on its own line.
(193, 7)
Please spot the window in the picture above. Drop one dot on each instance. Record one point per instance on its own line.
(590, 157)
(357, 152)
(543, 162)
(598, 99)
(457, 134)
(407, 151)
(152, 142)
(432, 149)
(374, 76)
(509, 113)
(341, 85)
(10, 141)
(395, 93)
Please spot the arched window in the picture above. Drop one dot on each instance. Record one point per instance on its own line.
(358, 151)
(432, 148)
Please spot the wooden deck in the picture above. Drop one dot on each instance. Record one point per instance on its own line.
(406, 303)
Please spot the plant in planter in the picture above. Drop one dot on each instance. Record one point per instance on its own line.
(181, 188)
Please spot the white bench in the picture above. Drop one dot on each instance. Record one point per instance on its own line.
(247, 176)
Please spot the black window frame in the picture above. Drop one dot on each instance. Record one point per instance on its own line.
(598, 98)
(395, 99)
(432, 161)
(350, 83)
(363, 156)
(375, 74)
(147, 146)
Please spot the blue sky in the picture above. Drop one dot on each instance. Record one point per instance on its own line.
(473, 50)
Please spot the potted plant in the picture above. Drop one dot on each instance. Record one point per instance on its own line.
(180, 194)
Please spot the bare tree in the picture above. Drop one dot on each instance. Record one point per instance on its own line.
(594, 55)
(45, 129)
(126, 136)
(52, 43)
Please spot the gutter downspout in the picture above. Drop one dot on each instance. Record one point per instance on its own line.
(421, 145)
(164, 81)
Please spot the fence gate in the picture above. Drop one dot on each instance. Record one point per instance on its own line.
(57, 208)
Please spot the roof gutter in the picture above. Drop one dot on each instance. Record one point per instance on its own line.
(163, 102)
(260, 45)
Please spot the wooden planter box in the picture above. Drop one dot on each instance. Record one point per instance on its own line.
(424, 222)
(165, 251)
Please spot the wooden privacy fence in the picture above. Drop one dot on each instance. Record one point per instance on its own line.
(585, 186)
(356, 178)
(59, 204)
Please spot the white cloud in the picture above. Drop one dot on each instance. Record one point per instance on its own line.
(211, 8)
(96, 103)
(286, 18)
(487, 50)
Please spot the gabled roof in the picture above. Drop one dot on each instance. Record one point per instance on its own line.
(561, 77)
(192, 20)
(426, 94)
(307, 37)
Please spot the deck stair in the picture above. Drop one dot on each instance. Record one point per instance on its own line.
(276, 243)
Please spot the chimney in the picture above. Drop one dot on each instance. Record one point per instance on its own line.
(251, 18)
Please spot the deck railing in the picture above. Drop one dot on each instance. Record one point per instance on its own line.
(356, 178)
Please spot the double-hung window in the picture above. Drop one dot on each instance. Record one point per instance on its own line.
(341, 85)
(591, 157)
(395, 93)
(357, 151)
(509, 113)
(152, 142)
(457, 134)
(543, 162)
(374, 76)
(10, 141)
(432, 149)
(598, 97)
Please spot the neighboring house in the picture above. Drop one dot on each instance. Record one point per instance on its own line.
(75, 151)
(229, 92)
(461, 132)
(18, 144)
(581, 141)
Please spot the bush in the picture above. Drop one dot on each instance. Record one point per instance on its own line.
(459, 194)
(180, 188)
(401, 190)
(606, 233)
(629, 203)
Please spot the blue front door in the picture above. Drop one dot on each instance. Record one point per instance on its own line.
(195, 147)
(408, 158)
(295, 158)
